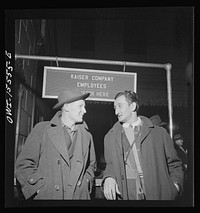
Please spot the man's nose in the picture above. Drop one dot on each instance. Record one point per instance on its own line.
(84, 110)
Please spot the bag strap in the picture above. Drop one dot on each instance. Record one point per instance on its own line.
(140, 180)
(131, 146)
(137, 162)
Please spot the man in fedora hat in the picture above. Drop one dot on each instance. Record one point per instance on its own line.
(156, 120)
(58, 160)
(182, 153)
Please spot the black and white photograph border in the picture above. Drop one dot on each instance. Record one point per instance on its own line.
(157, 41)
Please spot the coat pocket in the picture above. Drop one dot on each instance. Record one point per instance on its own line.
(35, 182)
(174, 191)
(34, 178)
(32, 184)
(82, 190)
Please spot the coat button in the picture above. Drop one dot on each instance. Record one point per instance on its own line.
(57, 187)
(79, 183)
(58, 161)
(31, 180)
(122, 177)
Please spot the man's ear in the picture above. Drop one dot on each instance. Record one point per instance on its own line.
(133, 106)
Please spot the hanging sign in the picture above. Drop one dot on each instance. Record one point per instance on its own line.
(102, 85)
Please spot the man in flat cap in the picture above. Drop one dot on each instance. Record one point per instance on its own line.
(58, 159)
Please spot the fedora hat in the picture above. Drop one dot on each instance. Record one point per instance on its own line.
(178, 136)
(70, 95)
(156, 120)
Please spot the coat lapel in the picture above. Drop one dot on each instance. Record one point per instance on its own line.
(85, 139)
(77, 162)
(117, 131)
(145, 130)
(57, 137)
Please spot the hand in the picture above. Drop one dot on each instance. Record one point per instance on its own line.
(177, 186)
(110, 188)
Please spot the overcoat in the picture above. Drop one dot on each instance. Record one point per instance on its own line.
(43, 166)
(159, 161)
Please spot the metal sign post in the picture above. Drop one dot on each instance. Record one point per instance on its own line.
(169, 97)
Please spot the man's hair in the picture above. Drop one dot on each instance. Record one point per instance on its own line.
(130, 98)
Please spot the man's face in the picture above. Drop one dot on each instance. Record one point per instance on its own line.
(76, 110)
(123, 109)
(179, 142)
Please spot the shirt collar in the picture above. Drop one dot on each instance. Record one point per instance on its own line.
(64, 125)
(136, 123)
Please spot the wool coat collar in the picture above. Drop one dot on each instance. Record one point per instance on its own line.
(56, 134)
(117, 130)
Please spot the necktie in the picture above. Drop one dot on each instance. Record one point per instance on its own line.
(136, 129)
(67, 137)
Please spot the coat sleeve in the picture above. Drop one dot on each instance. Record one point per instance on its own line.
(27, 162)
(89, 174)
(173, 161)
(109, 172)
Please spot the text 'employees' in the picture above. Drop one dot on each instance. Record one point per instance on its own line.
(91, 85)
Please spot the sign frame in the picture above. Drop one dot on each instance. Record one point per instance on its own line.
(81, 70)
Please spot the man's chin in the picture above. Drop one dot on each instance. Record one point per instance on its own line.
(121, 120)
(80, 120)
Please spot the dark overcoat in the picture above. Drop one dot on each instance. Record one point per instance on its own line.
(44, 163)
(160, 163)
